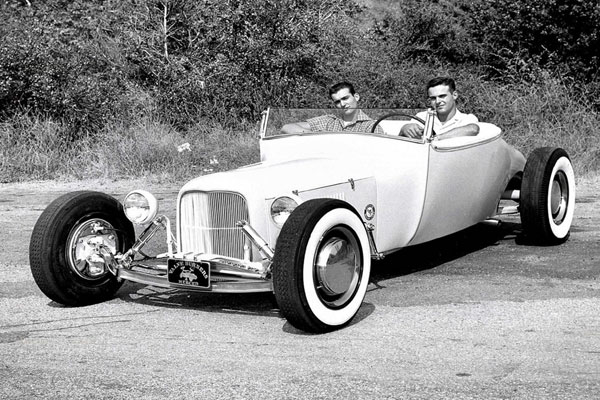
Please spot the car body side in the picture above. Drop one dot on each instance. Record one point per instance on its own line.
(420, 190)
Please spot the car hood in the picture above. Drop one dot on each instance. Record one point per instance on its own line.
(270, 179)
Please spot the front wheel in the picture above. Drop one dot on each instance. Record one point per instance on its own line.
(321, 266)
(68, 243)
(547, 199)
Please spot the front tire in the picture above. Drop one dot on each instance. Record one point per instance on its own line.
(63, 261)
(547, 199)
(321, 266)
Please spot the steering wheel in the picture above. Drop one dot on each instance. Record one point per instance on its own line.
(386, 116)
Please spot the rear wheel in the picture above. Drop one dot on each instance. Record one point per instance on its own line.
(547, 199)
(66, 246)
(321, 266)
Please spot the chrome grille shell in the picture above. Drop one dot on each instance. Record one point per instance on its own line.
(207, 223)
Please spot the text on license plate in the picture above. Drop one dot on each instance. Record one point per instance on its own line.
(192, 273)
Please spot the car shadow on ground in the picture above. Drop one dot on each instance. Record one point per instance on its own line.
(404, 262)
(262, 304)
(440, 251)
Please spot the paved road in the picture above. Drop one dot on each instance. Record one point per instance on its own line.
(478, 315)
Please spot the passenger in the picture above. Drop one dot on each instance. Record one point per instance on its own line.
(353, 119)
(449, 122)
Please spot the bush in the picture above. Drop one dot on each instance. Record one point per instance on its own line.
(545, 113)
(48, 66)
(521, 35)
(430, 32)
(229, 60)
(110, 80)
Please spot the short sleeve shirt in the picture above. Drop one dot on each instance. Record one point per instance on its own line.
(459, 119)
(334, 124)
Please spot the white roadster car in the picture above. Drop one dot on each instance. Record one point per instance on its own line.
(306, 221)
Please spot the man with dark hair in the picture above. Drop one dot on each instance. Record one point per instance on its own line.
(449, 122)
(342, 85)
(352, 119)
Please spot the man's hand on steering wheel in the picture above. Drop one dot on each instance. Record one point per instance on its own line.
(414, 131)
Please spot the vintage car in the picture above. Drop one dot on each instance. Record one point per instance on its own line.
(306, 221)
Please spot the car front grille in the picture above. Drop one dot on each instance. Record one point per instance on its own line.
(207, 223)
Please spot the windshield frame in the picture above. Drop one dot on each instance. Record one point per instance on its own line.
(268, 131)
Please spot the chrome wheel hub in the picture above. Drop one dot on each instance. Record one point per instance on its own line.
(84, 247)
(338, 267)
(559, 197)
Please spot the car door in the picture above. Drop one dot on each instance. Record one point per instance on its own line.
(465, 179)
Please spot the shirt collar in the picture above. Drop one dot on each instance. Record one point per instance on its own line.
(360, 116)
(457, 117)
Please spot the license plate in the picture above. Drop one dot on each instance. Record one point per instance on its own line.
(191, 273)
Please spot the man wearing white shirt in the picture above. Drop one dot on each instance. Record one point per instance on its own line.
(449, 122)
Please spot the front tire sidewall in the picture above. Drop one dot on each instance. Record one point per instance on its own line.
(324, 314)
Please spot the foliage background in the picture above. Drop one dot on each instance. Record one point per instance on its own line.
(93, 88)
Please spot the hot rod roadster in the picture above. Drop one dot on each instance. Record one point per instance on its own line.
(306, 221)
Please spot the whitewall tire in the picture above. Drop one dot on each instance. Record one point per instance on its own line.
(547, 202)
(322, 265)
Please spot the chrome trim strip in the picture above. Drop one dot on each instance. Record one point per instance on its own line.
(464, 146)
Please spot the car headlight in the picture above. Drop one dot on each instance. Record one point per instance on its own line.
(281, 208)
(140, 206)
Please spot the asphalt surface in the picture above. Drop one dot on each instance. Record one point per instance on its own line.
(478, 315)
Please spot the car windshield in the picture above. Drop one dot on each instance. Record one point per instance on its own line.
(279, 117)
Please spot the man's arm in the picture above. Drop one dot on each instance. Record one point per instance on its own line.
(295, 127)
(467, 130)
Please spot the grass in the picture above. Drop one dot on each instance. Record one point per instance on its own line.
(32, 148)
(35, 148)
(546, 114)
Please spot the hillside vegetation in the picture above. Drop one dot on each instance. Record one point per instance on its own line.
(110, 88)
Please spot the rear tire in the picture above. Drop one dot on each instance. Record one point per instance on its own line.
(321, 266)
(547, 199)
(59, 249)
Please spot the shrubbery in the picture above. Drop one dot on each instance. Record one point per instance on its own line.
(102, 69)
(48, 68)
(525, 35)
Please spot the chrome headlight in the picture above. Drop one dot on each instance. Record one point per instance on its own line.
(140, 206)
(282, 207)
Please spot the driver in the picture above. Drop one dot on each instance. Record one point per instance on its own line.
(448, 122)
(352, 119)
